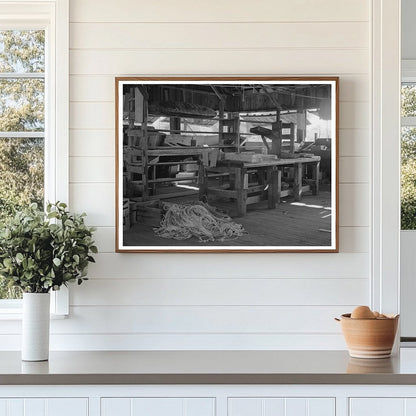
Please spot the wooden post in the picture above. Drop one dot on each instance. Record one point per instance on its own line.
(262, 176)
(202, 182)
(175, 125)
(277, 130)
(236, 129)
(300, 125)
(292, 138)
(297, 186)
(138, 106)
(315, 176)
(241, 185)
(145, 144)
(279, 185)
(154, 177)
(131, 108)
(272, 180)
(221, 122)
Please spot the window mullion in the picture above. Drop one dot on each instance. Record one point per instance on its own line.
(22, 134)
(22, 75)
(408, 121)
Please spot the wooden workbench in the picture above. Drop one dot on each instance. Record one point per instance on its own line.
(268, 185)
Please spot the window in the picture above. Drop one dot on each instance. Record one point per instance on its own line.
(33, 111)
(22, 124)
(408, 155)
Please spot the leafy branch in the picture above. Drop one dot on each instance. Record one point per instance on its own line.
(43, 251)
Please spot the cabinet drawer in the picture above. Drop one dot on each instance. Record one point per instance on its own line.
(280, 406)
(158, 406)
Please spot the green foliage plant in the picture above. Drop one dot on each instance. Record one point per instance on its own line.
(43, 251)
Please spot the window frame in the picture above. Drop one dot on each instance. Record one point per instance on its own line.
(408, 75)
(53, 17)
(385, 156)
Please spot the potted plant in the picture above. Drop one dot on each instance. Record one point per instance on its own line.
(40, 252)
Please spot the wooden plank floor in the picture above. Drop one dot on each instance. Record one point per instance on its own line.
(290, 224)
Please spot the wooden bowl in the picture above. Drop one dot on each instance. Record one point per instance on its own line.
(369, 338)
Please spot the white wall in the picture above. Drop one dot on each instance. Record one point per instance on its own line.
(181, 301)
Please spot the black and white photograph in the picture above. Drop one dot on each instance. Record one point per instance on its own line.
(227, 164)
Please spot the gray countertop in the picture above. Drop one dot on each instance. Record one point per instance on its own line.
(208, 367)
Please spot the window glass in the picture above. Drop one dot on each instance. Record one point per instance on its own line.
(22, 125)
(22, 105)
(408, 158)
(22, 51)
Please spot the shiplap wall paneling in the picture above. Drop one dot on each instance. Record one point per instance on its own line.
(239, 62)
(222, 291)
(269, 35)
(319, 266)
(183, 11)
(236, 302)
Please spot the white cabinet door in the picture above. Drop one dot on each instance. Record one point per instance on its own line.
(44, 407)
(377, 407)
(382, 407)
(270, 406)
(160, 406)
(67, 407)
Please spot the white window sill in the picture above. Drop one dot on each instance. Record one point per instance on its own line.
(13, 315)
(11, 309)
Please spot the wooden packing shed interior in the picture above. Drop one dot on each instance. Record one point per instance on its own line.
(233, 145)
(244, 97)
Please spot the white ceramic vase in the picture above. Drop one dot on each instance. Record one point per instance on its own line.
(35, 326)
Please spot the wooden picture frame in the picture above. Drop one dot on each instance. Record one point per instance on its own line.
(227, 164)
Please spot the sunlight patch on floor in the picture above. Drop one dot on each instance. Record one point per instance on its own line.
(302, 204)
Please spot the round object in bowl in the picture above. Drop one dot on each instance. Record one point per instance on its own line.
(362, 312)
(369, 338)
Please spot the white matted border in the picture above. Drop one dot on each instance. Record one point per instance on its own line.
(333, 82)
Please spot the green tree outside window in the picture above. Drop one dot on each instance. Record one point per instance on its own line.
(22, 96)
(408, 160)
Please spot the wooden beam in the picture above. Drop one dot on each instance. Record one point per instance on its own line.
(217, 93)
(272, 99)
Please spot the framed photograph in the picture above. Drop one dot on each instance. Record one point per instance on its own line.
(235, 164)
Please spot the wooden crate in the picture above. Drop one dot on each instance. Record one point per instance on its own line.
(149, 212)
